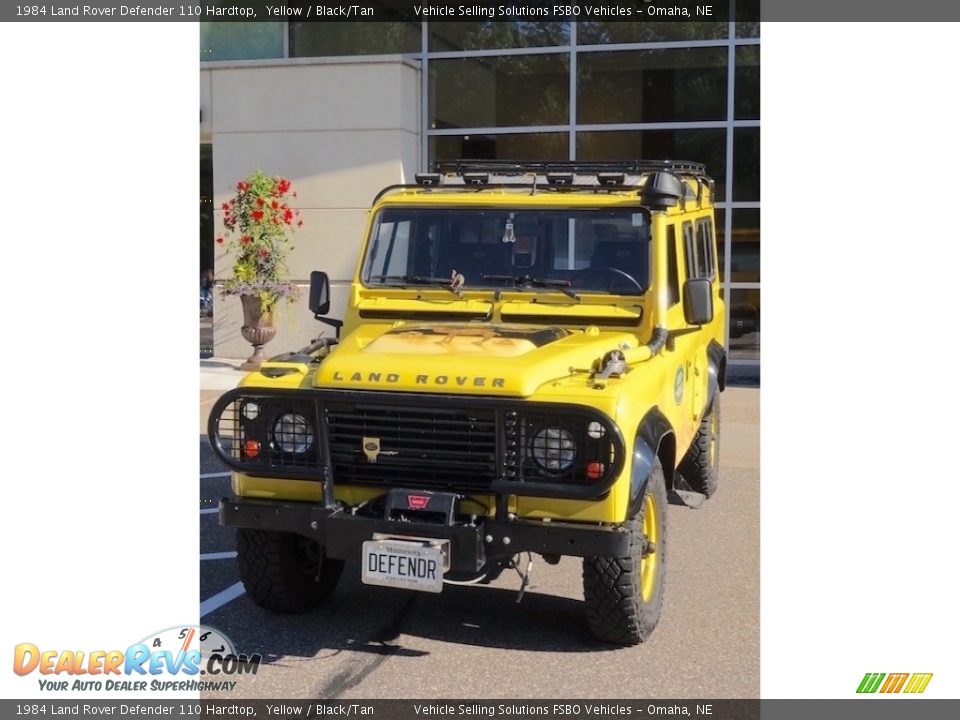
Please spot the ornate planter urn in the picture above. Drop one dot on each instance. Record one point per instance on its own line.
(257, 330)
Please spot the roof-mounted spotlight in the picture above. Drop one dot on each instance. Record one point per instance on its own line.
(560, 179)
(611, 178)
(476, 178)
(428, 179)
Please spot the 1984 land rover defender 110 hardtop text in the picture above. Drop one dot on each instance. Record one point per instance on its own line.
(530, 362)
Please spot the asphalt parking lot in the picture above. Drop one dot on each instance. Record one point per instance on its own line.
(478, 642)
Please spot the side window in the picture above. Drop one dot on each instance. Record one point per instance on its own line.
(691, 260)
(673, 282)
(708, 263)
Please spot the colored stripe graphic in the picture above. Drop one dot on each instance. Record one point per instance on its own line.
(915, 683)
(918, 683)
(870, 682)
(894, 682)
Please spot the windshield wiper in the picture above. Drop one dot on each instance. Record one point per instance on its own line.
(524, 281)
(420, 280)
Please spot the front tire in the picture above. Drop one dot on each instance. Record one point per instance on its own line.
(624, 595)
(285, 572)
(700, 467)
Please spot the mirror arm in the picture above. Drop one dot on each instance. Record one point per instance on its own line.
(332, 322)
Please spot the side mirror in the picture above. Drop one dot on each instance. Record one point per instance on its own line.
(319, 302)
(319, 293)
(698, 301)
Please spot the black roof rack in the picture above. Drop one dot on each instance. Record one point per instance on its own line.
(657, 182)
(579, 167)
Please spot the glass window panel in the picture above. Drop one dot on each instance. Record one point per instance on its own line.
(746, 164)
(745, 324)
(241, 40)
(708, 260)
(747, 15)
(451, 36)
(703, 146)
(491, 246)
(719, 217)
(500, 91)
(686, 84)
(321, 39)
(673, 276)
(646, 28)
(745, 246)
(518, 146)
(746, 103)
(691, 258)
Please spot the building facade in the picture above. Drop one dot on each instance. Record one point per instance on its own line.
(347, 108)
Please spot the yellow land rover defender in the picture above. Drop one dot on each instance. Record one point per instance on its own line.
(530, 362)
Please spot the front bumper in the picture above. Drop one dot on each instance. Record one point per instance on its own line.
(472, 546)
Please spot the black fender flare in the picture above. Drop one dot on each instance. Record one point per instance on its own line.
(650, 435)
(716, 371)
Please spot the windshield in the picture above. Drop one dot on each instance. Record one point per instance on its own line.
(596, 250)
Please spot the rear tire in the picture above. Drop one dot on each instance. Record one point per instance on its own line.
(285, 572)
(700, 467)
(624, 595)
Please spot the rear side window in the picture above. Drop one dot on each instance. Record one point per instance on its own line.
(690, 256)
(673, 282)
(705, 255)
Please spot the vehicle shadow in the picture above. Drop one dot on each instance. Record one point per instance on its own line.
(371, 620)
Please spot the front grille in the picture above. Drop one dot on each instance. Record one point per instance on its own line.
(420, 447)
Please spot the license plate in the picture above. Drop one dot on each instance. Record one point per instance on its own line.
(409, 565)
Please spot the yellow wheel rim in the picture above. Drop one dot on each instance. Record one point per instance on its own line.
(714, 432)
(650, 561)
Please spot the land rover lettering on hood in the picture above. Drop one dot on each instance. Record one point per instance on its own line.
(531, 359)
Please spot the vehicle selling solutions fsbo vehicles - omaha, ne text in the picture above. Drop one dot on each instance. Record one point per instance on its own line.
(530, 362)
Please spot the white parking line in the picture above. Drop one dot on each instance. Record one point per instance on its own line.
(218, 556)
(208, 511)
(207, 476)
(221, 598)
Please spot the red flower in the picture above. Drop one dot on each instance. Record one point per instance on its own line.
(259, 202)
(257, 214)
(243, 186)
(283, 186)
(274, 204)
(264, 252)
(219, 241)
(287, 215)
(226, 207)
(246, 239)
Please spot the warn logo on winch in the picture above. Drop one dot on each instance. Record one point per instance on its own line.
(418, 502)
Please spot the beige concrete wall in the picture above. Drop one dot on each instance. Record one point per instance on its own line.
(340, 131)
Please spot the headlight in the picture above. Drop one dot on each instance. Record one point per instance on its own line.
(553, 449)
(250, 410)
(293, 434)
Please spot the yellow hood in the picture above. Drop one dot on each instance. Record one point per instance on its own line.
(472, 359)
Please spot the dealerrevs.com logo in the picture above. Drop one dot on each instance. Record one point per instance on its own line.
(894, 682)
(186, 658)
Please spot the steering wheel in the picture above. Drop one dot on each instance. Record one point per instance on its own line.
(604, 278)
